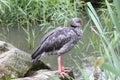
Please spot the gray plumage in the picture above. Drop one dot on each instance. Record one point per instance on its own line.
(60, 40)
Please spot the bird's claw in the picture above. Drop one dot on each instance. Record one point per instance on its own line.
(64, 73)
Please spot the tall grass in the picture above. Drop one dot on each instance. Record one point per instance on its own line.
(45, 14)
(109, 36)
(36, 12)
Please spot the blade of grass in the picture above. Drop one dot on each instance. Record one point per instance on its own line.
(6, 3)
(96, 21)
(94, 17)
(113, 17)
(22, 11)
(117, 6)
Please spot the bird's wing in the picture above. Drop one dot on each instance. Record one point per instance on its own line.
(44, 39)
(49, 34)
(54, 40)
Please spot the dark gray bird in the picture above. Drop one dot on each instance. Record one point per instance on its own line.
(59, 41)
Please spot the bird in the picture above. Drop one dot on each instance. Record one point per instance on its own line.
(59, 41)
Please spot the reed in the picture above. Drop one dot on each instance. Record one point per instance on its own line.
(109, 36)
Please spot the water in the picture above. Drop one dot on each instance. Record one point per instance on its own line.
(18, 39)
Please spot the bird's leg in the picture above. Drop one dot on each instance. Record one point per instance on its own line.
(63, 72)
(60, 63)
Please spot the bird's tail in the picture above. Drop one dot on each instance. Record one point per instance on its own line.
(35, 56)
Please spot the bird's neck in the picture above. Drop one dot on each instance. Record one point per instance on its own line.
(78, 30)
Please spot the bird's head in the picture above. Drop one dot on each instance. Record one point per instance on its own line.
(76, 22)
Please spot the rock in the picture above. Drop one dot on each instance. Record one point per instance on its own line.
(13, 61)
(45, 75)
(39, 75)
(35, 67)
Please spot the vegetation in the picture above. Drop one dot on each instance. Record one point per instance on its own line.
(37, 13)
(109, 36)
(45, 14)
(33, 12)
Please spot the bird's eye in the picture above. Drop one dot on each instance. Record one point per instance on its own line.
(79, 21)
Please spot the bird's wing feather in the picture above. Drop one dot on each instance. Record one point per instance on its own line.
(50, 33)
(55, 41)
(42, 40)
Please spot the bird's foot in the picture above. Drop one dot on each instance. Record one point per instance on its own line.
(64, 73)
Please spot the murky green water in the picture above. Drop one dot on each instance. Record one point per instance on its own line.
(18, 39)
